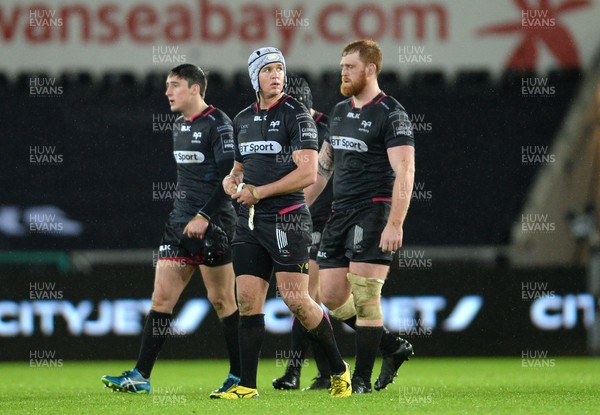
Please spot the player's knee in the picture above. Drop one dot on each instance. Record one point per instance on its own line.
(162, 301)
(296, 309)
(220, 297)
(296, 301)
(332, 298)
(218, 301)
(245, 304)
(367, 296)
(325, 298)
(345, 311)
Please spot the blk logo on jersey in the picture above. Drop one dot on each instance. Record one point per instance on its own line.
(353, 115)
(186, 128)
(348, 143)
(188, 156)
(259, 147)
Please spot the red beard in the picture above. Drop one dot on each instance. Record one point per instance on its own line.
(354, 88)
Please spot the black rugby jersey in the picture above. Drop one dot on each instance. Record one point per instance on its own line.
(200, 145)
(264, 143)
(360, 138)
(321, 208)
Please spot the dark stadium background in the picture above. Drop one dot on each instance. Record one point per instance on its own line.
(85, 225)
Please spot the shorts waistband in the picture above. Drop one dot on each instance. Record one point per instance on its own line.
(243, 211)
(290, 208)
(363, 203)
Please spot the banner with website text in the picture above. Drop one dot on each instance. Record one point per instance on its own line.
(145, 35)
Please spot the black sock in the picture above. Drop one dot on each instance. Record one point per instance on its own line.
(252, 331)
(155, 333)
(350, 322)
(231, 326)
(323, 335)
(367, 340)
(300, 342)
(389, 342)
(320, 359)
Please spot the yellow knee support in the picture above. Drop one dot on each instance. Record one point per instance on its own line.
(345, 311)
(365, 290)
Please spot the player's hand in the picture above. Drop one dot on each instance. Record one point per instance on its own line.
(391, 239)
(230, 184)
(196, 228)
(246, 196)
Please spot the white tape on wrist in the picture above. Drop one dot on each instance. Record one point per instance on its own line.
(251, 217)
(250, 209)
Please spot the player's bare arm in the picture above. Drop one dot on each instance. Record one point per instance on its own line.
(233, 179)
(304, 175)
(402, 160)
(324, 172)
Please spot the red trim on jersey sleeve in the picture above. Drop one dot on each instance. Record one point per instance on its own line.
(381, 199)
(319, 116)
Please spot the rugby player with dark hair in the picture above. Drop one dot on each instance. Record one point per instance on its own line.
(199, 229)
(320, 211)
(275, 159)
(371, 140)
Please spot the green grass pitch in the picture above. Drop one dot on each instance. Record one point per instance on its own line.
(562, 385)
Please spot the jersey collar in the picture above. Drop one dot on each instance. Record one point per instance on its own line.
(204, 113)
(376, 100)
(281, 100)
